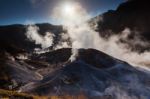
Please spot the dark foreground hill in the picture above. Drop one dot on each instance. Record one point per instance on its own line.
(93, 74)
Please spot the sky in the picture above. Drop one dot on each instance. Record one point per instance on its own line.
(39, 11)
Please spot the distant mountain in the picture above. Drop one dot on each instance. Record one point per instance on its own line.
(133, 14)
(14, 36)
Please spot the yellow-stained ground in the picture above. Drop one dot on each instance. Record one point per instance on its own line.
(6, 94)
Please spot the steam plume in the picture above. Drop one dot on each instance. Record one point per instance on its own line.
(33, 35)
(82, 36)
(78, 30)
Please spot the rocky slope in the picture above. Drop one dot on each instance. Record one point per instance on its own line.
(93, 73)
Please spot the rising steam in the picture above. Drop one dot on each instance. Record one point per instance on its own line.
(82, 36)
(122, 51)
(33, 35)
(74, 18)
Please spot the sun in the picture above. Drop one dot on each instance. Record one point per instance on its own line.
(69, 9)
(70, 13)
